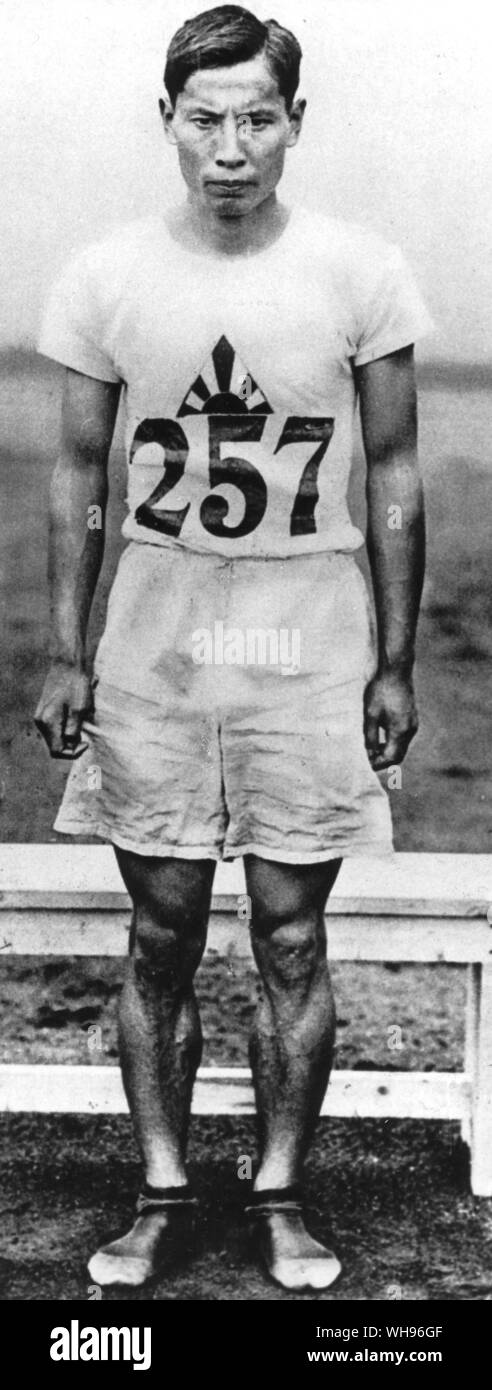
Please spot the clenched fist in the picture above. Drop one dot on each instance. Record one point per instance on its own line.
(65, 702)
(389, 704)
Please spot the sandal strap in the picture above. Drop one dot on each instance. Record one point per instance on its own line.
(160, 1198)
(273, 1199)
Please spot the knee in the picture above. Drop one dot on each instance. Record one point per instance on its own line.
(167, 946)
(290, 950)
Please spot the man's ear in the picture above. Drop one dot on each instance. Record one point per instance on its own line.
(296, 117)
(167, 114)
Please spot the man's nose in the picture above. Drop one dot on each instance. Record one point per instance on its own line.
(230, 150)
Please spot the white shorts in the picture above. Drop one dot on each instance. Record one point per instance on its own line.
(229, 711)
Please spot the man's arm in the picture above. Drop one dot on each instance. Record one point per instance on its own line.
(76, 549)
(396, 547)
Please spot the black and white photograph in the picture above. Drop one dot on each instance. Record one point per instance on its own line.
(245, 843)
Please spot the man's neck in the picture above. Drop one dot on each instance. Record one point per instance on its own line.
(198, 227)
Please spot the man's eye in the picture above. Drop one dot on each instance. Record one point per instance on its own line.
(203, 122)
(249, 123)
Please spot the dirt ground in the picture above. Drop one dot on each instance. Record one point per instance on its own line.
(393, 1196)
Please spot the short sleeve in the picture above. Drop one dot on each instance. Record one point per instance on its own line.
(74, 325)
(395, 315)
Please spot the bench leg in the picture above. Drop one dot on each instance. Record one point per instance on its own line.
(478, 1063)
(473, 979)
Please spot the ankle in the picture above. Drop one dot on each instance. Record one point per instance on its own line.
(159, 1179)
(273, 1176)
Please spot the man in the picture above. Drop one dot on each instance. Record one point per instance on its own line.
(240, 333)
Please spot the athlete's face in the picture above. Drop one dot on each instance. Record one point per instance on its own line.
(232, 129)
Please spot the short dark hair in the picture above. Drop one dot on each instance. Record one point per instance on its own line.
(227, 35)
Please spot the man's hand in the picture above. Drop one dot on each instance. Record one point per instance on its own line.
(65, 702)
(389, 704)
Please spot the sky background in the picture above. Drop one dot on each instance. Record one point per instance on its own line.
(398, 136)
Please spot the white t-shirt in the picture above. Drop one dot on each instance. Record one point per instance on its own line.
(237, 375)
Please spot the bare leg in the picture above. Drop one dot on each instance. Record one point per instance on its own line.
(291, 1050)
(160, 1041)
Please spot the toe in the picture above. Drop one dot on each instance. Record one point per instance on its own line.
(106, 1269)
(298, 1273)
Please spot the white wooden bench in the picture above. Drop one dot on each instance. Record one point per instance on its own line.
(70, 900)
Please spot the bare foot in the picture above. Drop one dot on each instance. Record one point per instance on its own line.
(156, 1241)
(292, 1257)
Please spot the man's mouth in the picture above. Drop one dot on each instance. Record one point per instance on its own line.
(230, 185)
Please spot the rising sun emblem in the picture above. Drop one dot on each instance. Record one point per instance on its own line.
(224, 387)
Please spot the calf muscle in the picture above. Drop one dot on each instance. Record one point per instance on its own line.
(292, 1040)
(160, 1031)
